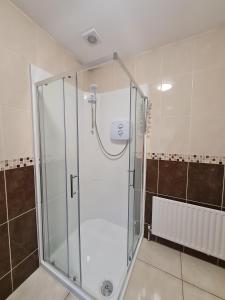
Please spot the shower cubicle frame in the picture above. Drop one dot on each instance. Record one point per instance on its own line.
(73, 287)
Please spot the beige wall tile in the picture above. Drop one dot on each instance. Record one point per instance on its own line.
(14, 80)
(17, 32)
(103, 76)
(153, 141)
(207, 133)
(177, 100)
(209, 49)
(148, 66)
(17, 132)
(1, 136)
(156, 104)
(208, 91)
(177, 57)
(174, 136)
(49, 54)
(23, 42)
(193, 93)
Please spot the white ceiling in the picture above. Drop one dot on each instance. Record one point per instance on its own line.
(128, 26)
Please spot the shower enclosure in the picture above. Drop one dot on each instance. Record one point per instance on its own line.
(91, 183)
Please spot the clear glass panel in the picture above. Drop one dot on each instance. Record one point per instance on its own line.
(137, 116)
(53, 167)
(138, 167)
(58, 140)
(133, 95)
(72, 157)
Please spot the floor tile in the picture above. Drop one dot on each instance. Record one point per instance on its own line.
(204, 275)
(193, 293)
(40, 285)
(160, 256)
(149, 283)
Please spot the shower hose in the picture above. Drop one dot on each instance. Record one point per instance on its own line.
(112, 155)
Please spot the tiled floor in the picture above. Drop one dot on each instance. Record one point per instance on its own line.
(41, 286)
(160, 273)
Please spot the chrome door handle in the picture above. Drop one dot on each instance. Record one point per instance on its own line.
(72, 177)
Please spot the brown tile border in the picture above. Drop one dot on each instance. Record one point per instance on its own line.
(18, 230)
(5, 286)
(3, 213)
(21, 272)
(23, 236)
(172, 178)
(4, 250)
(152, 175)
(205, 183)
(20, 190)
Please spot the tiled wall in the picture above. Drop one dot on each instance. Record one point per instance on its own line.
(190, 117)
(22, 42)
(190, 182)
(18, 233)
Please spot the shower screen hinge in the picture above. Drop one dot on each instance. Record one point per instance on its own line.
(72, 177)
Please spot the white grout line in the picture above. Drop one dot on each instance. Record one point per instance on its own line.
(5, 274)
(4, 223)
(9, 220)
(24, 259)
(191, 107)
(186, 192)
(7, 214)
(197, 287)
(157, 268)
(26, 212)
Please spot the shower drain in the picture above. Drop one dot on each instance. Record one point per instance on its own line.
(107, 288)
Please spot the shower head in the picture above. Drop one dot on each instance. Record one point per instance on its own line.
(92, 98)
(93, 88)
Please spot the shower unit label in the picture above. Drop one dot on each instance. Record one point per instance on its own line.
(120, 130)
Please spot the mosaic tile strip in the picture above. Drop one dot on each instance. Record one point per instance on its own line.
(148, 120)
(16, 163)
(219, 160)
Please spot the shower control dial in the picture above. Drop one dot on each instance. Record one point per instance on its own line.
(120, 130)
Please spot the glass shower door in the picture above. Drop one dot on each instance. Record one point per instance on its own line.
(59, 175)
(136, 163)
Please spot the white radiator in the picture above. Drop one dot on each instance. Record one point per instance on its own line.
(196, 227)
